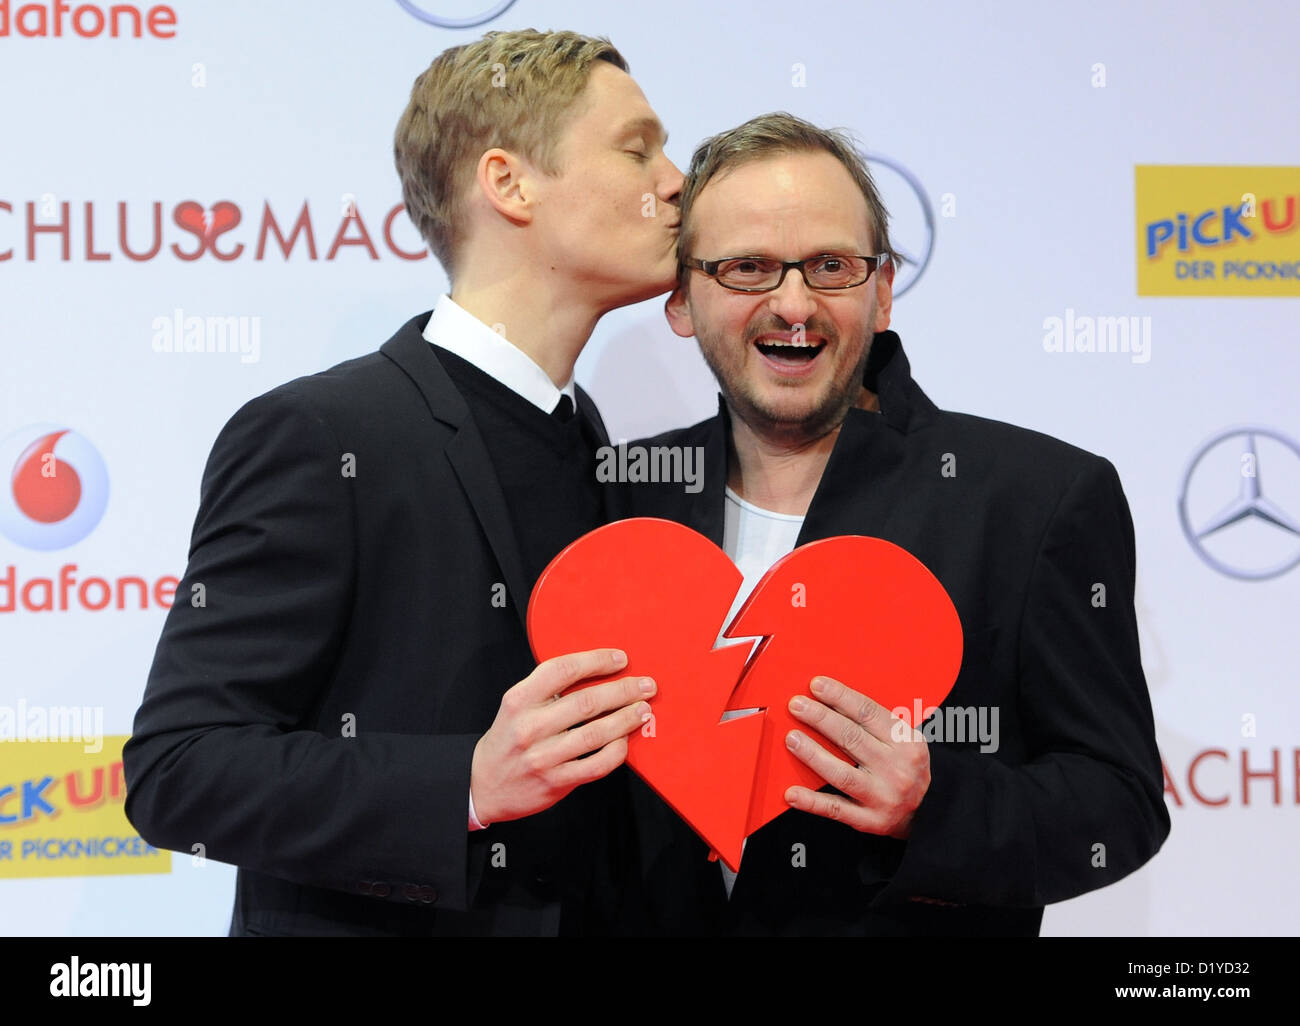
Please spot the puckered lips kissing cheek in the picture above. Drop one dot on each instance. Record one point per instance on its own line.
(791, 353)
(674, 232)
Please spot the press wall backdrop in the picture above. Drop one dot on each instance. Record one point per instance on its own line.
(198, 202)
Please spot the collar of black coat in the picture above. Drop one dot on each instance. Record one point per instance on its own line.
(412, 352)
(903, 406)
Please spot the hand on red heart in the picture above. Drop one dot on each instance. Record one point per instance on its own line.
(886, 774)
(861, 609)
(548, 737)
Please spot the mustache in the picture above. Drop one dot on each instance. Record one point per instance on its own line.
(815, 326)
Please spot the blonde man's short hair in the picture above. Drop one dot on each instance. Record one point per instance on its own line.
(513, 90)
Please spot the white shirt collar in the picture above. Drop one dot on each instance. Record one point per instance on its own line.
(459, 331)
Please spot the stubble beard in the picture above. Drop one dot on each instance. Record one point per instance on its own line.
(773, 424)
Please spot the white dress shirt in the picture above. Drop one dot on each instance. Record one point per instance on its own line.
(754, 538)
(458, 331)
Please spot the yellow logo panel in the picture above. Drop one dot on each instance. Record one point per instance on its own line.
(61, 811)
(1218, 231)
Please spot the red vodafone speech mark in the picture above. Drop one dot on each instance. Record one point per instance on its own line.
(45, 488)
(861, 610)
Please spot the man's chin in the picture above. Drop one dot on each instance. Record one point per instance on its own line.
(788, 420)
(651, 287)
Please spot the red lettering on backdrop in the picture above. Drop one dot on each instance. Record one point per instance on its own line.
(364, 240)
(206, 226)
(1191, 777)
(303, 224)
(1170, 789)
(388, 236)
(75, 797)
(38, 594)
(1247, 775)
(39, 21)
(61, 229)
(164, 590)
(90, 237)
(157, 233)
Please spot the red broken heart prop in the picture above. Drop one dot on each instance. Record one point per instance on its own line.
(860, 610)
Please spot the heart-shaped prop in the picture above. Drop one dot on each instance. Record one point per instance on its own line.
(861, 610)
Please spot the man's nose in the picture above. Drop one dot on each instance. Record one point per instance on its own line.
(793, 301)
(671, 188)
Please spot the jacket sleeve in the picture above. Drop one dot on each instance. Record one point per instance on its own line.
(1086, 807)
(223, 753)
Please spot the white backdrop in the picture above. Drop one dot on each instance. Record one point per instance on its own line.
(1022, 126)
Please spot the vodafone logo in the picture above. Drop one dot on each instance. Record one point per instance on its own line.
(61, 18)
(55, 487)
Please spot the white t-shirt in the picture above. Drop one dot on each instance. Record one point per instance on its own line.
(754, 538)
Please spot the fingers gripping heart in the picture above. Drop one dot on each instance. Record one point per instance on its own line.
(860, 610)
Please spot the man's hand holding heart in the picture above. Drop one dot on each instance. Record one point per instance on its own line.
(861, 609)
(882, 781)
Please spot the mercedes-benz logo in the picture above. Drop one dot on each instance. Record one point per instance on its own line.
(1252, 535)
(911, 217)
(447, 21)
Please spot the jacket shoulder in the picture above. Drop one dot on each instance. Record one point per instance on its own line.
(1010, 451)
(345, 385)
(363, 393)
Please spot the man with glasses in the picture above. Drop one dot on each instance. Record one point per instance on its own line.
(786, 284)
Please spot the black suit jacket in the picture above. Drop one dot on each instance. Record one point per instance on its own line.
(1018, 537)
(332, 657)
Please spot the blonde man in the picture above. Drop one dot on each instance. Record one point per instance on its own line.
(354, 718)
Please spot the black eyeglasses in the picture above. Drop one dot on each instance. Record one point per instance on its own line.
(824, 272)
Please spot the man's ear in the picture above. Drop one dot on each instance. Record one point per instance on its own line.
(884, 296)
(504, 181)
(677, 310)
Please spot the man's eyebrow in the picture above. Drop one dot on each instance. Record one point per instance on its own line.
(645, 124)
(767, 254)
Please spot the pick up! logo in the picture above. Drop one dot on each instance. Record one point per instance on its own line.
(1218, 231)
(860, 610)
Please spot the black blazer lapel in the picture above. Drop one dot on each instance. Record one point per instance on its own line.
(591, 417)
(465, 451)
(708, 506)
(702, 511)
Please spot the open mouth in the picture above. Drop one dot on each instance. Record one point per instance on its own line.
(787, 354)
